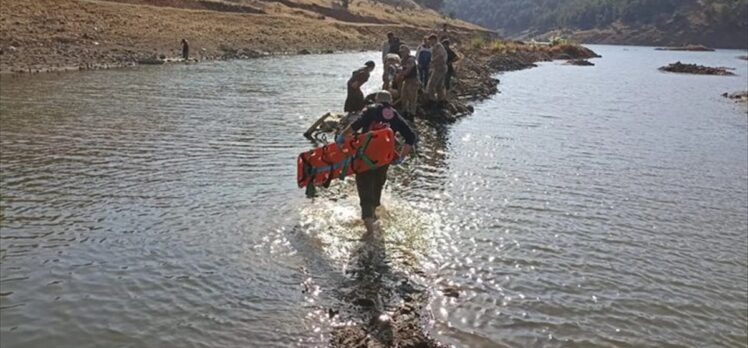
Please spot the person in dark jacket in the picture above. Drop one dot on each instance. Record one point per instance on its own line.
(185, 49)
(370, 183)
(452, 57)
(354, 102)
(423, 57)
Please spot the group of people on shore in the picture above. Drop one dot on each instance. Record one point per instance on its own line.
(427, 74)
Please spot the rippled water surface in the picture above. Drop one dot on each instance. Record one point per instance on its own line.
(582, 206)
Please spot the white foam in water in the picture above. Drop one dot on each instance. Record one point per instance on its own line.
(336, 227)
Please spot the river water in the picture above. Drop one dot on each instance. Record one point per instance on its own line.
(582, 206)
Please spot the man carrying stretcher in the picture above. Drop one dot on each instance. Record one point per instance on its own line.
(370, 183)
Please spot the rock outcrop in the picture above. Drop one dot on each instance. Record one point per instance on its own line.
(679, 67)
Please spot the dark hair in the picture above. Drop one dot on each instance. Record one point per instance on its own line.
(370, 64)
(390, 34)
(445, 42)
(433, 37)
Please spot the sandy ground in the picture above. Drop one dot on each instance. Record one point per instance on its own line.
(44, 35)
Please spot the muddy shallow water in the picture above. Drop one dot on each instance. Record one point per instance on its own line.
(582, 206)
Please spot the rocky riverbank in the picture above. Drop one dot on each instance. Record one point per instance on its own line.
(482, 59)
(679, 67)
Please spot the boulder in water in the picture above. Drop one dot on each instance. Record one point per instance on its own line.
(679, 67)
(737, 96)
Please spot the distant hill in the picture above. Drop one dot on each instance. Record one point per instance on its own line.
(718, 23)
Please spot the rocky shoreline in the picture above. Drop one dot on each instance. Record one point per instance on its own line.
(483, 59)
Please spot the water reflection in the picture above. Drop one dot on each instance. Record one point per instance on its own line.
(581, 207)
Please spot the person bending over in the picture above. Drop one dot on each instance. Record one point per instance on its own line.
(354, 102)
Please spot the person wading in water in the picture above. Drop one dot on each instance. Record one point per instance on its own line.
(355, 100)
(370, 184)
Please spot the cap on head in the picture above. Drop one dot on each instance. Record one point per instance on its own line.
(404, 49)
(370, 64)
(383, 97)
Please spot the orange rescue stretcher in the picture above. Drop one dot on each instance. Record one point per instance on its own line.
(359, 153)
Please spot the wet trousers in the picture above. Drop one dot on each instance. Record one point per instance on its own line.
(409, 96)
(435, 85)
(369, 185)
(423, 75)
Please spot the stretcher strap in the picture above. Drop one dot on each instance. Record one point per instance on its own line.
(309, 170)
(360, 153)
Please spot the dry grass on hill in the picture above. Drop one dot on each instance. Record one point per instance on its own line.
(43, 34)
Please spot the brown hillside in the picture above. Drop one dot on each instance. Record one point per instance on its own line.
(49, 34)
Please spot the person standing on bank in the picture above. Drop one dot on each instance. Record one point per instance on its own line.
(391, 67)
(185, 49)
(370, 184)
(437, 72)
(354, 102)
(452, 57)
(423, 57)
(410, 84)
(391, 45)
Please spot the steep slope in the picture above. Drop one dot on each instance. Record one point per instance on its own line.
(720, 23)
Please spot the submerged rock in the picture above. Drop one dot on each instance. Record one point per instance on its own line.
(737, 96)
(579, 62)
(679, 67)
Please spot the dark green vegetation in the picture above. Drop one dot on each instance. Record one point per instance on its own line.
(721, 23)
